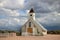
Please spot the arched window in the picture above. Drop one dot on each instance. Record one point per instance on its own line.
(29, 24)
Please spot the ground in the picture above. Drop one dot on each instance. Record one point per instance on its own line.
(47, 37)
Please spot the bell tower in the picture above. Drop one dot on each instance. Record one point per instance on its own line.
(31, 14)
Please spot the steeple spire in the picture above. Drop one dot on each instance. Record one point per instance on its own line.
(31, 11)
(31, 14)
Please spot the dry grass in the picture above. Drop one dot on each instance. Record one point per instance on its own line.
(47, 37)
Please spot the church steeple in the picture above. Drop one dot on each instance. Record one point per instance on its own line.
(31, 14)
(31, 11)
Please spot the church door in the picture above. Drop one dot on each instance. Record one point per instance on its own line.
(29, 30)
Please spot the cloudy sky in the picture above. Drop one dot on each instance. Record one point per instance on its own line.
(13, 13)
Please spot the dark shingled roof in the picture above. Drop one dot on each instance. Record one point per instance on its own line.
(31, 11)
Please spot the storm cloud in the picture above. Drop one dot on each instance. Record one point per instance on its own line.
(47, 11)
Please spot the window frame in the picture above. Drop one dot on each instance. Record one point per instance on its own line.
(29, 24)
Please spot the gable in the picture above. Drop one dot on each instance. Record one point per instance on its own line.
(34, 24)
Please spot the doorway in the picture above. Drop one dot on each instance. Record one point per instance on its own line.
(29, 30)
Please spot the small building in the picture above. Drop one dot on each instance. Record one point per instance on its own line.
(32, 27)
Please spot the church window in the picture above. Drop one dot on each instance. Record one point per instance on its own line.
(29, 24)
(37, 31)
(34, 26)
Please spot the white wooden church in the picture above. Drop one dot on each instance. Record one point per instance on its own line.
(32, 27)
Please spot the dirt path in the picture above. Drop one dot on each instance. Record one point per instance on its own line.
(47, 37)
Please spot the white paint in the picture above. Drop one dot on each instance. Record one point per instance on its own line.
(31, 17)
(34, 29)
